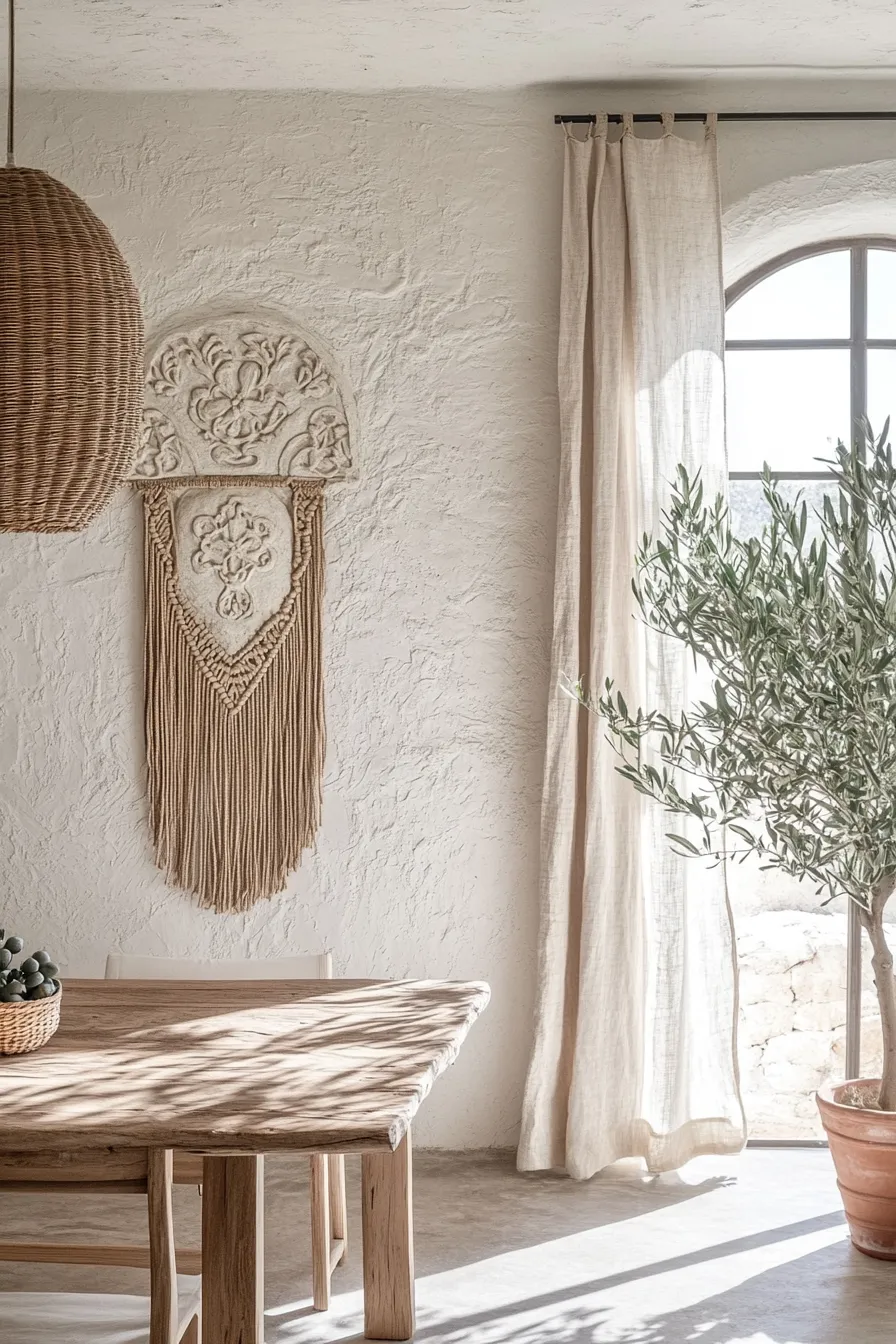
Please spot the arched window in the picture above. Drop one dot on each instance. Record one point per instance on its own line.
(810, 351)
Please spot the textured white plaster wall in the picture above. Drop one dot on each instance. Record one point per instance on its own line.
(419, 236)
(419, 240)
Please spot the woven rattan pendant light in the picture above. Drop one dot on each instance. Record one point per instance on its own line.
(71, 352)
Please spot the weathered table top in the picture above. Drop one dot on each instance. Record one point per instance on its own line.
(222, 1066)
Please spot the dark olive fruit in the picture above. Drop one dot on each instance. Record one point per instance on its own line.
(29, 966)
(14, 943)
(34, 979)
(42, 991)
(5, 958)
(42, 958)
(8, 995)
(50, 970)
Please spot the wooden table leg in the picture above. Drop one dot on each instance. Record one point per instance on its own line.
(338, 1210)
(233, 1250)
(388, 1235)
(320, 1231)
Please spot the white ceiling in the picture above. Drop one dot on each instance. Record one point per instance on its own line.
(451, 44)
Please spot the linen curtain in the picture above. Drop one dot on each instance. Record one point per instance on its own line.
(635, 1049)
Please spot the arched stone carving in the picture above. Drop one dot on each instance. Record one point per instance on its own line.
(243, 393)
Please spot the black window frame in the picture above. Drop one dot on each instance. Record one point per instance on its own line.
(858, 343)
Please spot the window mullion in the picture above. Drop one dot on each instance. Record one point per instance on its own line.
(858, 361)
(858, 335)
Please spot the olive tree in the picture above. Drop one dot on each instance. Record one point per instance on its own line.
(792, 756)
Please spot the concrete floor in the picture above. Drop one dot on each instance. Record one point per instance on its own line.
(749, 1250)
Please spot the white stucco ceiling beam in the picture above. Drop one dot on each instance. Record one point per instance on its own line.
(365, 45)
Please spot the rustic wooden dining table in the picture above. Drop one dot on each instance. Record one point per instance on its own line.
(234, 1070)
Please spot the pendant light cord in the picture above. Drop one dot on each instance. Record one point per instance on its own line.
(11, 104)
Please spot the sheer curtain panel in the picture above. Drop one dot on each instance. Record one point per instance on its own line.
(634, 1051)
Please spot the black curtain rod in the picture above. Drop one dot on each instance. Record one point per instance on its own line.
(616, 117)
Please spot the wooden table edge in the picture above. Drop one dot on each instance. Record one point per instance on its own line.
(385, 1137)
(233, 1166)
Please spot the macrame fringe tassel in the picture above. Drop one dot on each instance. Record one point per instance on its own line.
(234, 793)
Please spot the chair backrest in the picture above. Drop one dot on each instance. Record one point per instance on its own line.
(132, 1171)
(122, 966)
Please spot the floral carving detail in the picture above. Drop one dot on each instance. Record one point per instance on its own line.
(233, 543)
(324, 447)
(164, 376)
(158, 451)
(240, 398)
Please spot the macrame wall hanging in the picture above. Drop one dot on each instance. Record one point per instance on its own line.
(244, 424)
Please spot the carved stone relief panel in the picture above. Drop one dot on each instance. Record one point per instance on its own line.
(243, 394)
(233, 552)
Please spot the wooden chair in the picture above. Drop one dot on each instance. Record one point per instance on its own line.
(170, 1315)
(329, 1228)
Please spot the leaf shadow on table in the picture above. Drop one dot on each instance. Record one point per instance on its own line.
(323, 1061)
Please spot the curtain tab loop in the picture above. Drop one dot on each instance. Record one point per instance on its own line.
(668, 120)
(628, 124)
(712, 122)
(591, 132)
(601, 126)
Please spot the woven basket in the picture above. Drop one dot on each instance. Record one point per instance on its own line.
(71, 357)
(27, 1026)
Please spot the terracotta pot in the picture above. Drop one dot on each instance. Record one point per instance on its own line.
(863, 1146)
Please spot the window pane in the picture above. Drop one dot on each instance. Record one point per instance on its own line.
(791, 949)
(882, 389)
(750, 513)
(808, 300)
(871, 1051)
(786, 407)
(792, 956)
(881, 295)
